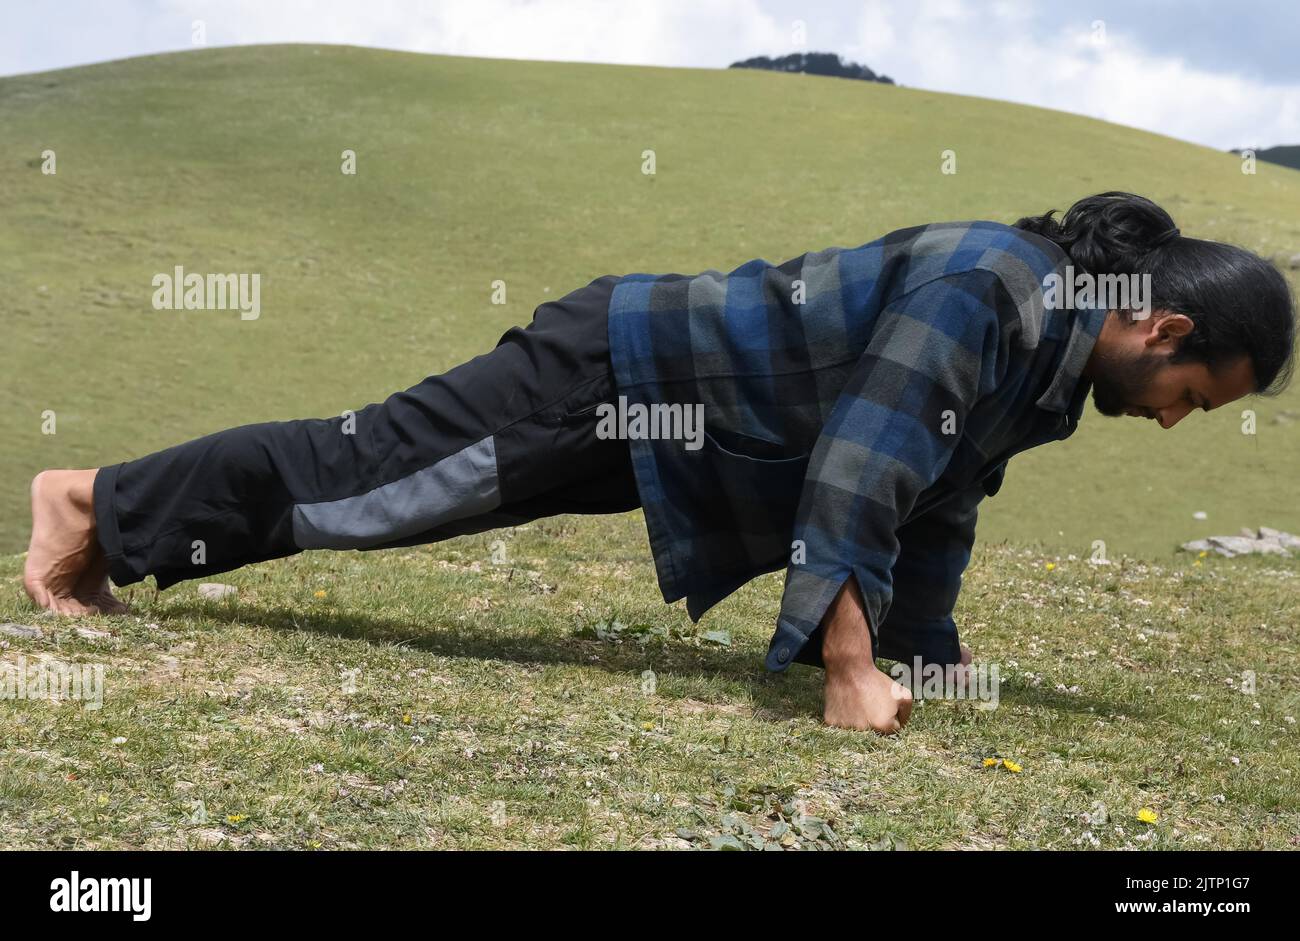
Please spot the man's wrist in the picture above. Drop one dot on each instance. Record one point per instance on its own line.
(846, 635)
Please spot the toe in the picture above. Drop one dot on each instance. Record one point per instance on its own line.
(36, 591)
(70, 607)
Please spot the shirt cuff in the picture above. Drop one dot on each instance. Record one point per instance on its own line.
(807, 598)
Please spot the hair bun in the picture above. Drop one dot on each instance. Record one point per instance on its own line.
(1166, 237)
(1109, 233)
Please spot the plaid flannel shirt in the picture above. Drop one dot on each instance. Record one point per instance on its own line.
(858, 405)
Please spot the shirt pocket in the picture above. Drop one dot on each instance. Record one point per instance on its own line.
(735, 444)
(759, 485)
(580, 404)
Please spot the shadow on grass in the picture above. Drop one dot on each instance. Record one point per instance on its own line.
(796, 695)
(1090, 706)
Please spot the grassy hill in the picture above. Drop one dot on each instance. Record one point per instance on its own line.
(474, 170)
(428, 697)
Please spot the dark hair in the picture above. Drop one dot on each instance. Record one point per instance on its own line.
(1239, 302)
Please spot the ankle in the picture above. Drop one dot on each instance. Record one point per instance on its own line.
(74, 488)
(81, 491)
(855, 673)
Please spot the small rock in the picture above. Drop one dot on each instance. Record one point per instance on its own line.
(1232, 545)
(22, 630)
(1264, 542)
(215, 591)
(91, 634)
(1285, 540)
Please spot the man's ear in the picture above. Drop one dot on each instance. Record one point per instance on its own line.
(1167, 328)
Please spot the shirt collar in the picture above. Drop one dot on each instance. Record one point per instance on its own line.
(1068, 389)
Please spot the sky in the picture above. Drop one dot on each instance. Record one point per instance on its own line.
(1221, 74)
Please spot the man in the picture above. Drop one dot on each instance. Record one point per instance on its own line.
(858, 404)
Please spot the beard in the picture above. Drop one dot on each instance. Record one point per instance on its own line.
(1119, 380)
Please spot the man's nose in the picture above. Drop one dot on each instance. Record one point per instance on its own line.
(1168, 417)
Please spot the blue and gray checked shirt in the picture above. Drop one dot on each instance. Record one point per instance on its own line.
(858, 405)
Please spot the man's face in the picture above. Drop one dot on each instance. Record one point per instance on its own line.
(1131, 373)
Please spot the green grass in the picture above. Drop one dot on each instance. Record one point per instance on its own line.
(487, 711)
(481, 683)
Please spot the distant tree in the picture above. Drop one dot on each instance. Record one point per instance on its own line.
(1287, 155)
(813, 63)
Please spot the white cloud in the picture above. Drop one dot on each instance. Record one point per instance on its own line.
(946, 45)
(663, 32)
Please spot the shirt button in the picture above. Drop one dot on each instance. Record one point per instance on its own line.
(783, 654)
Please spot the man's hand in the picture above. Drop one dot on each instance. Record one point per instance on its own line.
(857, 695)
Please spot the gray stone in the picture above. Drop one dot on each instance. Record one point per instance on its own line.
(22, 630)
(1268, 547)
(1233, 545)
(215, 591)
(1265, 541)
(1283, 539)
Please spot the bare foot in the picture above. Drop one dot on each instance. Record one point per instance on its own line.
(66, 571)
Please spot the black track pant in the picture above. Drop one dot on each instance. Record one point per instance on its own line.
(508, 437)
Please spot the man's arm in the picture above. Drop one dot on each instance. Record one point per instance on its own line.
(933, 354)
(935, 548)
(857, 695)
